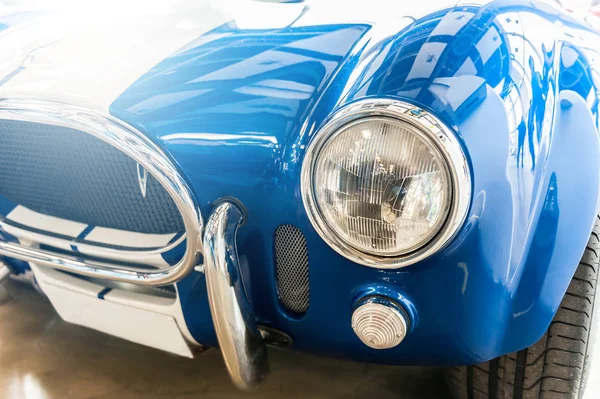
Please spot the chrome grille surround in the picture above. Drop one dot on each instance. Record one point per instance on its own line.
(291, 262)
(138, 147)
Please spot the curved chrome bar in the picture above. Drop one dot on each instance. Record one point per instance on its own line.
(82, 267)
(134, 256)
(243, 349)
(141, 149)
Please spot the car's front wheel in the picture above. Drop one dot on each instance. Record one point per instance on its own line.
(557, 366)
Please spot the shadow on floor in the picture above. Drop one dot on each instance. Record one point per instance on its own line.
(43, 357)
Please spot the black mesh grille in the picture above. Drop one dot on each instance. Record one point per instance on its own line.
(291, 260)
(72, 175)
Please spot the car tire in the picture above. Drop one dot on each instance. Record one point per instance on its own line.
(558, 364)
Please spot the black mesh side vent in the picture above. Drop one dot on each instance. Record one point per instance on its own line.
(291, 261)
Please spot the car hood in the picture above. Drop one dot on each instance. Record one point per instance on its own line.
(89, 52)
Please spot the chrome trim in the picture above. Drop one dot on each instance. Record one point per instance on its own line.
(440, 135)
(138, 147)
(92, 248)
(142, 179)
(243, 349)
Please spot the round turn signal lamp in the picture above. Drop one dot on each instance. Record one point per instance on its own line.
(379, 323)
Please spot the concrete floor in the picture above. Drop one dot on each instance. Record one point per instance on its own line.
(43, 357)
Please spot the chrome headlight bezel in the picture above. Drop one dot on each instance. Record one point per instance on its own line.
(430, 127)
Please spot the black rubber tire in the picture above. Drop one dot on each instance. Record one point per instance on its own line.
(557, 365)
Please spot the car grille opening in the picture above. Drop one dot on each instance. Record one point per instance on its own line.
(65, 173)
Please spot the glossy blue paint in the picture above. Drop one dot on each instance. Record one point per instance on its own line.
(229, 110)
(517, 81)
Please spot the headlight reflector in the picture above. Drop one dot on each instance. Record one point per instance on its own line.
(385, 183)
(382, 186)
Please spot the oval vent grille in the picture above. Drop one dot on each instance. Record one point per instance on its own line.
(291, 260)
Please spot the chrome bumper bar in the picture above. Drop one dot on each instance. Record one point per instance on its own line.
(241, 344)
(98, 269)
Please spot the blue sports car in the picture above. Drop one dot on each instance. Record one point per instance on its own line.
(391, 182)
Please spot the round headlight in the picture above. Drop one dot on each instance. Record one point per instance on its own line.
(385, 183)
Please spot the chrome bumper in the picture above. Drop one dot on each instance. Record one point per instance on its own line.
(97, 269)
(238, 335)
(243, 348)
(241, 344)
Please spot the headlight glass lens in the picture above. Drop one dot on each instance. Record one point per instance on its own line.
(382, 186)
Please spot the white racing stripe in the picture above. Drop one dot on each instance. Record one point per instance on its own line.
(89, 52)
(130, 239)
(35, 220)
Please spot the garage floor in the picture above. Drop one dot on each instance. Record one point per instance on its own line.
(43, 357)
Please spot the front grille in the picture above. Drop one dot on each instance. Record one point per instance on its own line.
(291, 261)
(72, 175)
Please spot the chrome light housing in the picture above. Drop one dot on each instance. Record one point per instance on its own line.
(385, 183)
